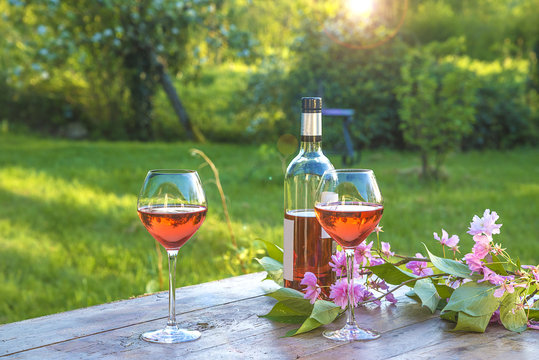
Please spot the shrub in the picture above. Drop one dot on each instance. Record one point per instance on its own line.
(436, 106)
(504, 117)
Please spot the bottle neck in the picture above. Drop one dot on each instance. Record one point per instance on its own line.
(309, 145)
(311, 131)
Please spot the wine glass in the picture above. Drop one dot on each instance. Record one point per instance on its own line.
(172, 206)
(348, 206)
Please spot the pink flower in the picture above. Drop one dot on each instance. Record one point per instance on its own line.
(378, 229)
(495, 317)
(339, 293)
(474, 263)
(453, 283)
(506, 286)
(419, 268)
(338, 264)
(386, 247)
(376, 261)
(532, 324)
(363, 253)
(312, 290)
(448, 241)
(378, 285)
(492, 277)
(483, 245)
(391, 298)
(534, 271)
(486, 225)
(366, 295)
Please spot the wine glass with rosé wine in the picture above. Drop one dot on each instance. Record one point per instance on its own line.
(348, 206)
(172, 206)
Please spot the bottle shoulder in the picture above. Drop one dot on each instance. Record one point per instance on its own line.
(308, 163)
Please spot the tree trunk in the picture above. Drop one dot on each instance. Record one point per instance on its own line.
(175, 101)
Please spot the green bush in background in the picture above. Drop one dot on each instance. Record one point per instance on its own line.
(436, 105)
(64, 76)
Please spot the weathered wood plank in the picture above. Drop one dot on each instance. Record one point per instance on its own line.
(231, 330)
(227, 314)
(495, 343)
(60, 327)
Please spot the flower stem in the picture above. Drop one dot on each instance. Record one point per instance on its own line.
(401, 285)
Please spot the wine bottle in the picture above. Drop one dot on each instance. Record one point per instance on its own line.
(307, 247)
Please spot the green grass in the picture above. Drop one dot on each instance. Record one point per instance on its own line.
(70, 236)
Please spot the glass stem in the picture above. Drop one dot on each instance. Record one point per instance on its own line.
(172, 256)
(350, 318)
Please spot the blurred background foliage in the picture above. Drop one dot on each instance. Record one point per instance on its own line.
(98, 69)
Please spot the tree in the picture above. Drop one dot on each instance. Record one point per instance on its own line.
(436, 104)
(139, 43)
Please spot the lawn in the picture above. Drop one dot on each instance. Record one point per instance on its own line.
(70, 236)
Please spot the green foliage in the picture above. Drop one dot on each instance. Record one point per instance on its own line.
(273, 267)
(475, 299)
(504, 112)
(95, 65)
(318, 68)
(466, 322)
(324, 312)
(512, 318)
(120, 52)
(451, 267)
(436, 105)
(392, 274)
(291, 307)
(426, 291)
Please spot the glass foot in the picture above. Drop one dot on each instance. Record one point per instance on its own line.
(351, 333)
(170, 335)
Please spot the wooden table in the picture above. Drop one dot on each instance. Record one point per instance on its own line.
(226, 312)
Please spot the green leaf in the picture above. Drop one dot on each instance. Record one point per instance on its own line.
(281, 312)
(274, 251)
(534, 314)
(450, 266)
(466, 322)
(391, 274)
(270, 264)
(444, 291)
(290, 308)
(412, 295)
(273, 268)
(516, 321)
(497, 266)
(426, 291)
(283, 294)
(450, 316)
(474, 299)
(324, 312)
(308, 325)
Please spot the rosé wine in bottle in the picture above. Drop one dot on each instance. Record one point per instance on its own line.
(307, 247)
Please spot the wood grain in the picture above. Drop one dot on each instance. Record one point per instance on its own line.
(227, 313)
(78, 323)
